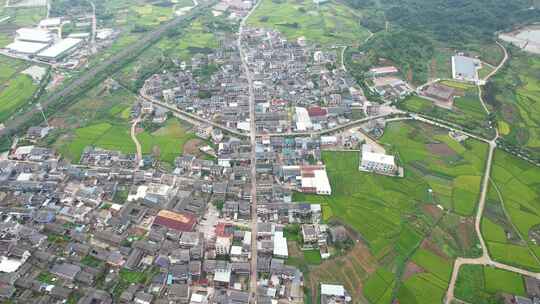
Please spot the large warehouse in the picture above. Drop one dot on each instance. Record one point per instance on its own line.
(60, 49)
(24, 47)
(175, 220)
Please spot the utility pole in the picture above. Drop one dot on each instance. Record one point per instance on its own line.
(40, 108)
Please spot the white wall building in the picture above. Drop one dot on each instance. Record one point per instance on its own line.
(303, 121)
(280, 245)
(315, 180)
(377, 162)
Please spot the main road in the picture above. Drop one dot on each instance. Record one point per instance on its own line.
(253, 158)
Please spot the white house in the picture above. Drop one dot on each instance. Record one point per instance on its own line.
(376, 162)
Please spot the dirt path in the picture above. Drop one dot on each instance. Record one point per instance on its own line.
(138, 157)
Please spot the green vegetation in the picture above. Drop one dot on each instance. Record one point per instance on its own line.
(483, 285)
(167, 142)
(456, 22)
(91, 261)
(393, 215)
(133, 277)
(467, 109)
(505, 281)
(422, 288)
(16, 90)
(512, 208)
(102, 120)
(420, 36)
(440, 267)
(46, 277)
(513, 93)
(198, 37)
(312, 257)
(22, 16)
(327, 24)
(128, 277)
(378, 284)
(375, 205)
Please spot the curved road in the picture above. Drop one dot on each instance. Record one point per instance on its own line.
(485, 79)
(138, 157)
(485, 259)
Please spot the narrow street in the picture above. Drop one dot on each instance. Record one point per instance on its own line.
(253, 159)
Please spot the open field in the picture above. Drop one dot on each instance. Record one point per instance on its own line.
(15, 88)
(197, 38)
(21, 16)
(14, 94)
(513, 94)
(167, 142)
(483, 285)
(513, 212)
(393, 215)
(330, 23)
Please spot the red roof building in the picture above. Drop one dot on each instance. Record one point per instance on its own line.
(317, 111)
(175, 220)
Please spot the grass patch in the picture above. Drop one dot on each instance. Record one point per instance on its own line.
(14, 94)
(514, 93)
(483, 285)
(376, 205)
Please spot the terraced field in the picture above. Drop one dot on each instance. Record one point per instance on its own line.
(513, 212)
(514, 93)
(397, 216)
(483, 285)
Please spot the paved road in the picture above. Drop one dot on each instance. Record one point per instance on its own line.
(14, 124)
(485, 259)
(501, 64)
(191, 118)
(331, 130)
(485, 79)
(253, 158)
(343, 67)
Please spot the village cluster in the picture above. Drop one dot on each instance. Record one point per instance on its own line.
(297, 88)
(88, 229)
(114, 228)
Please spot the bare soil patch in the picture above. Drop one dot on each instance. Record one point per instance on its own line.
(344, 270)
(59, 123)
(464, 233)
(411, 269)
(429, 245)
(192, 146)
(432, 211)
(441, 149)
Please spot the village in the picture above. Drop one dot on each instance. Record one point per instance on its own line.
(271, 137)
